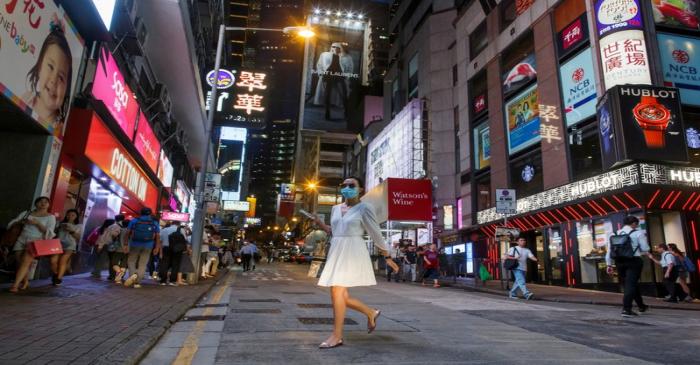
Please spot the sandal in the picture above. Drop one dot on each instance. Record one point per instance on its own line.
(326, 345)
(13, 290)
(370, 329)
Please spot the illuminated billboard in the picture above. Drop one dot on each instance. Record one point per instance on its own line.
(335, 68)
(241, 100)
(230, 161)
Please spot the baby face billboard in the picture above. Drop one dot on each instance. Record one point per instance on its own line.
(334, 74)
(523, 120)
(40, 53)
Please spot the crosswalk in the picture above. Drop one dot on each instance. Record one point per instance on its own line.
(266, 275)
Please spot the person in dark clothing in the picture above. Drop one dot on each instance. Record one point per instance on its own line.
(630, 269)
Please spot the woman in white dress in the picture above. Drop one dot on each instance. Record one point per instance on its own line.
(348, 262)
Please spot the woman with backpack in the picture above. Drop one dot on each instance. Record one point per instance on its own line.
(683, 270)
(670, 270)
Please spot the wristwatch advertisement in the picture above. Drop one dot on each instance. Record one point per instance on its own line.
(653, 119)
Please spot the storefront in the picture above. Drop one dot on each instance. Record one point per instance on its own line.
(568, 227)
(33, 104)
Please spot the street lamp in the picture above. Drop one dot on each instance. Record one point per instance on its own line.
(198, 226)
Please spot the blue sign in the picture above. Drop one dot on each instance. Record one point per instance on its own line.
(578, 87)
(681, 65)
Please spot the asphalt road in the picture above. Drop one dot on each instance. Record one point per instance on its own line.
(276, 315)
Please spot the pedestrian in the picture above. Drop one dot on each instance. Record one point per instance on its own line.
(108, 233)
(682, 271)
(409, 263)
(389, 270)
(630, 244)
(171, 255)
(522, 254)
(186, 266)
(215, 244)
(431, 263)
(37, 224)
(119, 250)
(204, 252)
(670, 270)
(348, 262)
(144, 240)
(458, 260)
(245, 255)
(254, 255)
(444, 262)
(69, 232)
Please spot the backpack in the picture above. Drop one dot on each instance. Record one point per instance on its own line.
(143, 231)
(688, 264)
(621, 246)
(177, 241)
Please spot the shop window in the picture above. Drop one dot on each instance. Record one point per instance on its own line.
(556, 255)
(413, 77)
(478, 40)
(692, 129)
(482, 186)
(526, 174)
(508, 12)
(584, 148)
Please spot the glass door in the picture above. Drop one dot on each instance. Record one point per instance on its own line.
(554, 265)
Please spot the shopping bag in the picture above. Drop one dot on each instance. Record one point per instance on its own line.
(484, 273)
(40, 248)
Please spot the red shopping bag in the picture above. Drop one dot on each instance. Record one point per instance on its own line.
(45, 247)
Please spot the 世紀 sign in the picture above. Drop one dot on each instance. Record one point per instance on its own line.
(40, 54)
(624, 59)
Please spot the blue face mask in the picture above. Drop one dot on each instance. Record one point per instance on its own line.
(349, 193)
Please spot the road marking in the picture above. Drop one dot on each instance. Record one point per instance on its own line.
(190, 347)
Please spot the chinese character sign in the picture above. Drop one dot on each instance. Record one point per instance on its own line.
(40, 54)
(624, 59)
(244, 101)
(681, 65)
(578, 87)
(572, 35)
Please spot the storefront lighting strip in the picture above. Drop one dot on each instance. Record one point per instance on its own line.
(688, 200)
(663, 206)
(670, 206)
(562, 215)
(554, 218)
(695, 237)
(584, 210)
(621, 202)
(544, 218)
(598, 210)
(614, 208)
(653, 197)
(692, 207)
(630, 197)
(595, 203)
(574, 213)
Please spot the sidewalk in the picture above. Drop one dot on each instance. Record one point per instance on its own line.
(561, 294)
(88, 321)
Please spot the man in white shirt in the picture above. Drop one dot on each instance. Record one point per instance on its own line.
(522, 254)
(629, 269)
(165, 256)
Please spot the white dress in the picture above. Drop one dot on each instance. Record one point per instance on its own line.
(348, 262)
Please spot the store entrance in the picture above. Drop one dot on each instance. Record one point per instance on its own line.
(546, 245)
(535, 242)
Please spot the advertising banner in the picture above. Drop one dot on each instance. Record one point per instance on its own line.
(578, 87)
(147, 143)
(110, 88)
(334, 74)
(391, 153)
(606, 131)
(676, 13)
(165, 172)
(231, 159)
(212, 187)
(680, 64)
(236, 205)
(625, 59)
(252, 201)
(105, 151)
(242, 98)
(572, 35)
(252, 221)
(410, 200)
(617, 15)
(523, 120)
(520, 74)
(40, 53)
(175, 216)
(482, 146)
(288, 192)
(648, 125)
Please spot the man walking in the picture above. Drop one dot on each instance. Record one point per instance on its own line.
(169, 258)
(143, 238)
(625, 250)
(409, 263)
(245, 255)
(522, 254)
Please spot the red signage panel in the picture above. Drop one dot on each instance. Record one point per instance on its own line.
(175, 216)
(147, 143)
(410, 200)
(105, 151)
(110, 87)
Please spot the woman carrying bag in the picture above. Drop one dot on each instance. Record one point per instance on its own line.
(69, 232)
(38, 224)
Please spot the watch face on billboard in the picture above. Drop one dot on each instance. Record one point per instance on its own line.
(676, 13)
(523, 120)
(651, 123)
(578, 87)
(334, 74)
(617, 15)
(681, 65)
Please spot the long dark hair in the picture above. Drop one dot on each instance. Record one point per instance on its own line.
(674, 248)
(57, 38)
(77, 216)
(663, 246)
(105, 224)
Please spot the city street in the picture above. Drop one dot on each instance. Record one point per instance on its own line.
(276, 314)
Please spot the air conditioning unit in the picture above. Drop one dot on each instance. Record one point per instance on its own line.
(162, 97)
(141, 31)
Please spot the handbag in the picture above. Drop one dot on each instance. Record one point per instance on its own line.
(512, 264)
(40, 248)
(10, 236)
